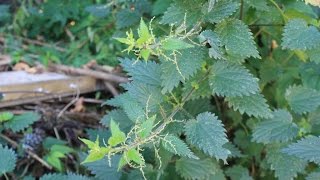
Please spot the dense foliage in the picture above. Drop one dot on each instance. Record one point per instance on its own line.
(219, 88)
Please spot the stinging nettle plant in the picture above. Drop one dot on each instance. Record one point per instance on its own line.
(207, 101)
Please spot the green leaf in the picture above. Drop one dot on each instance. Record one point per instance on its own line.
(6, 116)
(69, 176)
(260, 5)
(145, 53)
(238, 173)
(117, 135)
(302, 99)
(61, 148)
(148, 96)
(174, 71)
(146, 127)
(135, 156)
(160, 6)
(235, 151)
(181, 11)
(310, 76)
(144, 34)
(8, 158)
(130, 106)
(279, 163)
(175, 44)
(148, 72)
(103, 171)
(307, 149)
(221, 10)
(215, 50)
(96, 152)
(313, 176)
(253, 105)
(280, 128)
(53, 158)
(194, 169)
(314, 54)
(175, 145)
(126, 18)
(100, 11)
(201, 86)
(89, 143)
(208, 134)
(120, 117)
(229, 79)
(237, 38)
(20, 122)
(298, 35)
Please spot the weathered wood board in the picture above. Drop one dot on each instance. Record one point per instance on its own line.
(19, 87)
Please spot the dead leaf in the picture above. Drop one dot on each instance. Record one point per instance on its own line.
(79, 106)
(90, 64)
(33, 70)
(21, 66)
(274, 44)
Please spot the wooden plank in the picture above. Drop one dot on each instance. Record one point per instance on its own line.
(21, 87)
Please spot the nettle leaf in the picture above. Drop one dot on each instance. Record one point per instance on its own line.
(146, 127)
(175, 145)
(147, 72)
(99, 10)
(117, 135)
(194, 169)
(135, 156)
(175, 44)
(302, 99)
(235, 151)
(8, 158)
(208, 134)
(144, 34)
(310, 75)
(178, 13)
(96, 152)
(221, 10)
(230, 79)
(120, 117)
(148, 96)
(298, 35)
(253, 105)
(126, 18)
(174, 71)
(260, 5)
(280, 128)
(237, 38)
(307, 149)
(238, 173)
(201, 86)
(314, 54)
(6, 116)
(313, 176)
(69, 176)
(102, 170)
(279, 163)
(20, 122)
(130, 106)
(215, 51)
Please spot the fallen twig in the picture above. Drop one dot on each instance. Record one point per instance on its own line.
(88, 72)
(111, 88)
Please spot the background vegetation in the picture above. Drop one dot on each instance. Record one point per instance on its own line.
(221, 89)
